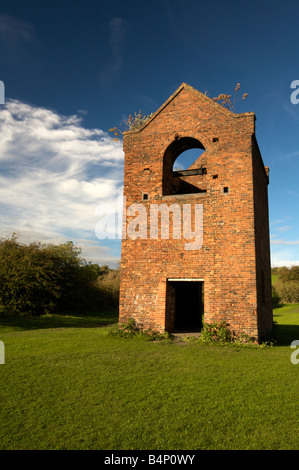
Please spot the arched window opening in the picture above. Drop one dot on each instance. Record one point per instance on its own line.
(187, 158)
(184, 167)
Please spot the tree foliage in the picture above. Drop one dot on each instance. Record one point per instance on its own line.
(37, 278)
(108, 284)
(286, 284)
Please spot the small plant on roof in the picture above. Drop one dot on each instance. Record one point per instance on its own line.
(132, 123)
(229, 101)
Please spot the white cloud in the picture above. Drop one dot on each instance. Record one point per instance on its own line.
(290, 155)
(54, 174)
(278, 263)
(284, 258)
(284, 253)
(12, 28)
(118, 30)
(284, 242)
(283, 229)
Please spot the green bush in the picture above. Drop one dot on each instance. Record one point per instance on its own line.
(108, 285)
(287, 292)
(285, 288)
(221, 333)
(133, 328)
(36, 279)
(218, 332)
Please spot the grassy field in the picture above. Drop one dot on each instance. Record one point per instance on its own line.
(68, 384)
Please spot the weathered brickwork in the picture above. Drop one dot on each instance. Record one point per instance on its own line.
(232, 266)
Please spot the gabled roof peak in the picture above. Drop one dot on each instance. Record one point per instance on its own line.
(203, 96)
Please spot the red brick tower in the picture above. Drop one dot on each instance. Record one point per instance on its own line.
(170, 281)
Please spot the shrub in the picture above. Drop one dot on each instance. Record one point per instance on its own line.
(221, 333)
(276, 300)
(288, 291)
(286, 286)
(133, 328)
(28, 278)
(132, 123)
(37, 278)
(218, 332)
(108, 285)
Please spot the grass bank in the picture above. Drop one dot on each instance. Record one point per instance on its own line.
(68, 384)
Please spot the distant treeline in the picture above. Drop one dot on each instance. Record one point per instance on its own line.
(38, 278)
(285, 285)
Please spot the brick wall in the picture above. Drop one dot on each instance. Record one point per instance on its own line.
(234, 255)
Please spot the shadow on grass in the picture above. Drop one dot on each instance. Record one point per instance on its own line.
(286, 328)
(276, 303)
(285, 334)
(74, 320)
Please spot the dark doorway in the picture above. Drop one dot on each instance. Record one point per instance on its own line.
(188, 305)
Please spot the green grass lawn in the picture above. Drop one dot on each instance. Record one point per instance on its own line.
(68, 384)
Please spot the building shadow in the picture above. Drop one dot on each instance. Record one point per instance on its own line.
(74, 320)
(283, 335)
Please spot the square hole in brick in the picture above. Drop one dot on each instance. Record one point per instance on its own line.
(145, 196)
(215, 139)
(225, 189)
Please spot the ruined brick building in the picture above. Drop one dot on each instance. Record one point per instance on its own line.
(169, 281)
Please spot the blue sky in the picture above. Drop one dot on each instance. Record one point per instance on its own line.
(72, 69)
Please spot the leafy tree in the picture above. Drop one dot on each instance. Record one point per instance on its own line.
(39, 278)
(286, 285)
(108, 284)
